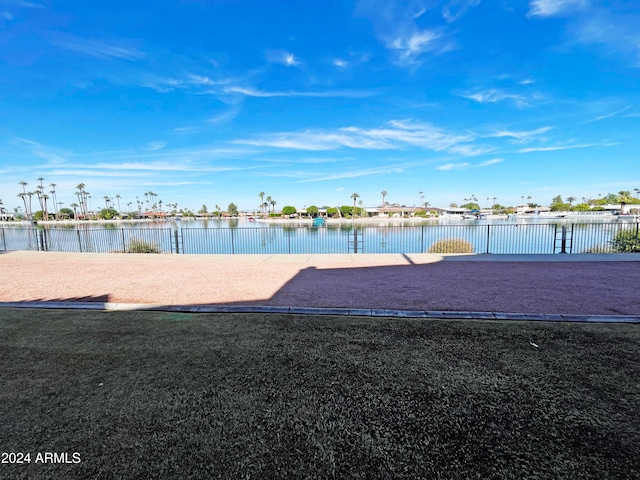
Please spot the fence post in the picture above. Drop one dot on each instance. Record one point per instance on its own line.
(355, 240)
(40, 240)
(563, 243)
(488, 237)
(124, 244)
(175, 237)
(4, 240)
(233, 247)
(79, 241)
(422, 239)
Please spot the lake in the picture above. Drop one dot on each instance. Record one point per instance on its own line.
(240, 236)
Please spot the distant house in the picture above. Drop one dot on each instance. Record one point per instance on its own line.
(618, 209)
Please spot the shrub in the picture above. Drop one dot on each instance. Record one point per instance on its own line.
(451, 245)
(626, 241)
(139, 245)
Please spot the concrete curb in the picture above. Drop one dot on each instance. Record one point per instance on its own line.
(121, 307)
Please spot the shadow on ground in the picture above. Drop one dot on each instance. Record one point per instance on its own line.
(582, 288)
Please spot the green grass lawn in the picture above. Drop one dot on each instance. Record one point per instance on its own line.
(169, 395)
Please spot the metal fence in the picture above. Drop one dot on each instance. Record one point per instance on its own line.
(520, 238)
(99, 240)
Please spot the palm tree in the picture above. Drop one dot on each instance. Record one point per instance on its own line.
(75, 213)
(354, 196)
(40, 193)
(53, 197)
(421, 198)
(23, 196)
(82, 199)
(624, 197)
(384, 194)
(118, 198)
(45, 212)
(571, 200)
(30, 194)
(218, 209)
(273, 205)
(261, 195)
(268, 202)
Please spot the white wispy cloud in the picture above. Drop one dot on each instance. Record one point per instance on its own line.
(520, 136)
(599, 25)
(399, 27)
(224, 116)
(560, 147)
(283, 57)
(152, 146)
(549, 8)
(95, 48)
(490, 162)
(413, 45)
(24, 4)
(397, 134)
(457, 8)
(252, 92)
(465, 165)
(384, 170)
(452, 166)
(494, 95)
(290, 60)
(608, 115)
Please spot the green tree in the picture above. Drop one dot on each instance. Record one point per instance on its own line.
(624, 197)
(331, 211)
(203, 210)
(557, 205)
(232, 209)
(312, 210)
(262, 204)
(346, 210)
(582, 207)
(288, 210)
(67, 212)
(108, 213)
(470, 206)
(384, 194)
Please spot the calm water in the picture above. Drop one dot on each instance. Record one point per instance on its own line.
(239, 236)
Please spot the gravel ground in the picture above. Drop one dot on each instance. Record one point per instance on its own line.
(542, 284)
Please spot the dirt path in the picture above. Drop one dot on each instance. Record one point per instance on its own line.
(419, 282)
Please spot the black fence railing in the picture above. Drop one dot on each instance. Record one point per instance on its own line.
(520, 238)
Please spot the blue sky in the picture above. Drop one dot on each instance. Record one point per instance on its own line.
(212, 101)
